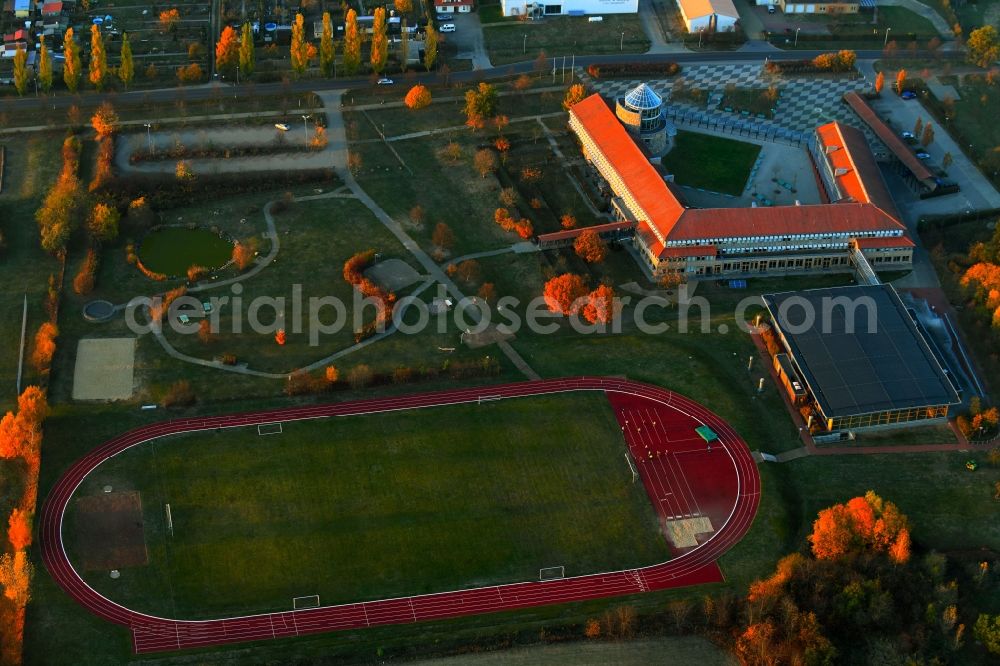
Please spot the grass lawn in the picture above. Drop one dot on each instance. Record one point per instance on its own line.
(565, 35)
(711, 162)
(949, 507)
(904, 24)
(32, 165)
(753, 100)
(377, 506)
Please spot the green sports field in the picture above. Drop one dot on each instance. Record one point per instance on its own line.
(369, 507)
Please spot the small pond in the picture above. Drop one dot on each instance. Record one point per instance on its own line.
(172, 250)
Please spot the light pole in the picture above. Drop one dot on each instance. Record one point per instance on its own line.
(886, 42)
(701, 33)
(524, 44)
(305, 128)
(621, 45)
(149, 137)
(797, 36)
(237, 75)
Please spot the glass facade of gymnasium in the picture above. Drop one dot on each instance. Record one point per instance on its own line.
(887, 417)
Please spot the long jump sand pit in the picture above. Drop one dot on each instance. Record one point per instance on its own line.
(104, 369)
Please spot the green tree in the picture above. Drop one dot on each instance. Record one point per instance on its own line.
(44, 67)
(98, 58)
(20, 70)
(380, 41)
(430, 47)
(404, 46)
(73, 66)
(352, 43)
(987, 632)
(103, 222)
(480, 105)
(300, 47)
(248, 59)
(126, 68)
(983, 46)
(326, 47)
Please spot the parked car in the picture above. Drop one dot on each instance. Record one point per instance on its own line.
(281, 126)
(908, 135)
(921, 155)
(771, 9)
(909, 94)
(444, 17)
(447, 27)
(385, 82)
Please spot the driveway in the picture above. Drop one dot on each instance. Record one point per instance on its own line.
(977, 192)
(468, 37)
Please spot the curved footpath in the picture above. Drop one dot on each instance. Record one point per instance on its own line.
(155, 634)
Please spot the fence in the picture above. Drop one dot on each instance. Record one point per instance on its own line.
(736, 126)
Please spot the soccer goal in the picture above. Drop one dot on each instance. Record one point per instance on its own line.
(488, 398)
(552, 573)
(269, 429)
(310, 601)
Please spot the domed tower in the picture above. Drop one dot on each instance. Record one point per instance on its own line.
(641, 111)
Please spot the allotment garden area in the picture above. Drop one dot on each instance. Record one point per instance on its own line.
(366, 507)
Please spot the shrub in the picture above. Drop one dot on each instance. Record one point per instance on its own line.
(195, 273)
(45, 347)
(418, 97)
(633, 69)
(360, 376)
(85, 278)
(180, 394)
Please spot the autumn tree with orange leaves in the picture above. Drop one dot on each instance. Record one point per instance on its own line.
(601, 307)
(19, 529)
(574, 95)
(418, 97)
(860, 596)
(862, 524)
(45, 347)
(565, 293)
(590, 247)
(227, 51)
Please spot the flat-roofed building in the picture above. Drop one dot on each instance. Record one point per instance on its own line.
(861, 357)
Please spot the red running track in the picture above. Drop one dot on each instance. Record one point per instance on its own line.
(692, 566)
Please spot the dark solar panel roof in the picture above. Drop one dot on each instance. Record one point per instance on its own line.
(872, 361)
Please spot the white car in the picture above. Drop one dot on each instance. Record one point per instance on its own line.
(385, 82)
(447, 27)
(281, 126)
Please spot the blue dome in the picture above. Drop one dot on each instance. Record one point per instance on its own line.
(642, 98)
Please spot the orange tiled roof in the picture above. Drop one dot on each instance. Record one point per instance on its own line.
(706, 223)
(888, 137)
(643, 181)
(573, 233)
(883, 241)
(872, 210)
(860, 178)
